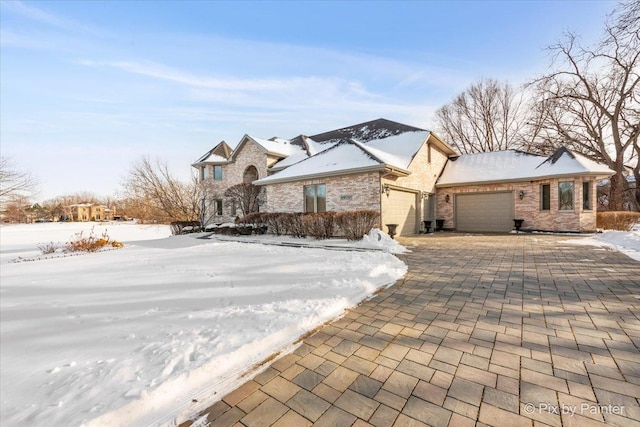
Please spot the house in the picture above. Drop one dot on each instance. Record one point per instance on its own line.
(380, 165)
(90, 212)
(409, 175)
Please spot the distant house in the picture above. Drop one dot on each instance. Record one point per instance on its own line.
(91, 212)
(410, 175)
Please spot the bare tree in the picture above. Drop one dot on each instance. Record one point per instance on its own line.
(16, 209)
(591, 98)
(246, 196)
(13, 182)
(150, 189)
(487, 116)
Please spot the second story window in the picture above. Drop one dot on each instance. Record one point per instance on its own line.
(217, 173)
(203, 173)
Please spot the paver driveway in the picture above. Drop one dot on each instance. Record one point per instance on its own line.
(513, 330)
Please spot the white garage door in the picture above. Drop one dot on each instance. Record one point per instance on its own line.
(400, 208)
(489, 212)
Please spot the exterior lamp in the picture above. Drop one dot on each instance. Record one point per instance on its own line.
(521, 194)
(447, 198)
(385, 190)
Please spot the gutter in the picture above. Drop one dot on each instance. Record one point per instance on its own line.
(375, 168)
(524, 179)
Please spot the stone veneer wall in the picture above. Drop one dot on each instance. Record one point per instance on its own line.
(232, 173)
(577, 220)
(344, 193)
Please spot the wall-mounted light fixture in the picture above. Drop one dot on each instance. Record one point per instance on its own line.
(424, 195)
(521, 194)
(447, 198)
(385, 189)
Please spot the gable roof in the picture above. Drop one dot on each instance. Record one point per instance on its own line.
(307, 147)
(344, 157)
(353, 156)
(514, 165)
(393, 144)
(219, 154)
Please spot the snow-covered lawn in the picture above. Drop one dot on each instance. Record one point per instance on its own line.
(627, 242)
(133, 336)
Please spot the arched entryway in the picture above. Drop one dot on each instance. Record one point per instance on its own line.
(250, 175)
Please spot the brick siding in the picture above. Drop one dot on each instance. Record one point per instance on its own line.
(344, 193)
(529, 208)
(250, 154)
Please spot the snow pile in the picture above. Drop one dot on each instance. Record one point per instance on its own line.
(156, 331)
(379, 240)
(627, 242)
(375, 240)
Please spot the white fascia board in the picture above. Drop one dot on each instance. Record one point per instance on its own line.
(597, 175)
(375, 168)
(200, 164)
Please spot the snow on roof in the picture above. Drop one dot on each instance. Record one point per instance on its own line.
(214, 158)
(280, 147)
(314, 147)
(398, 150)
(513, 165)
(293, 158)
(218, 154)
(368, 131)
(306, 147)
(342, 157)
(564, 161)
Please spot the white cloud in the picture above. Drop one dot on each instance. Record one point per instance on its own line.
(41, 16)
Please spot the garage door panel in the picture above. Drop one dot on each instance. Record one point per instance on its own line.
(401, 210)
(489, 212)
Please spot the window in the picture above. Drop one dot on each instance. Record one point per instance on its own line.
(428, 153)
(315, 198)
(203, 173)
(565, 196)
(217, 204)
(586, 195)
(217, 173)
(545, 197)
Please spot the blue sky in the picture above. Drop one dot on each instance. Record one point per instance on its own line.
(89, 87)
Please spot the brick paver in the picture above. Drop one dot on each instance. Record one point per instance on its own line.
(499, 330)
